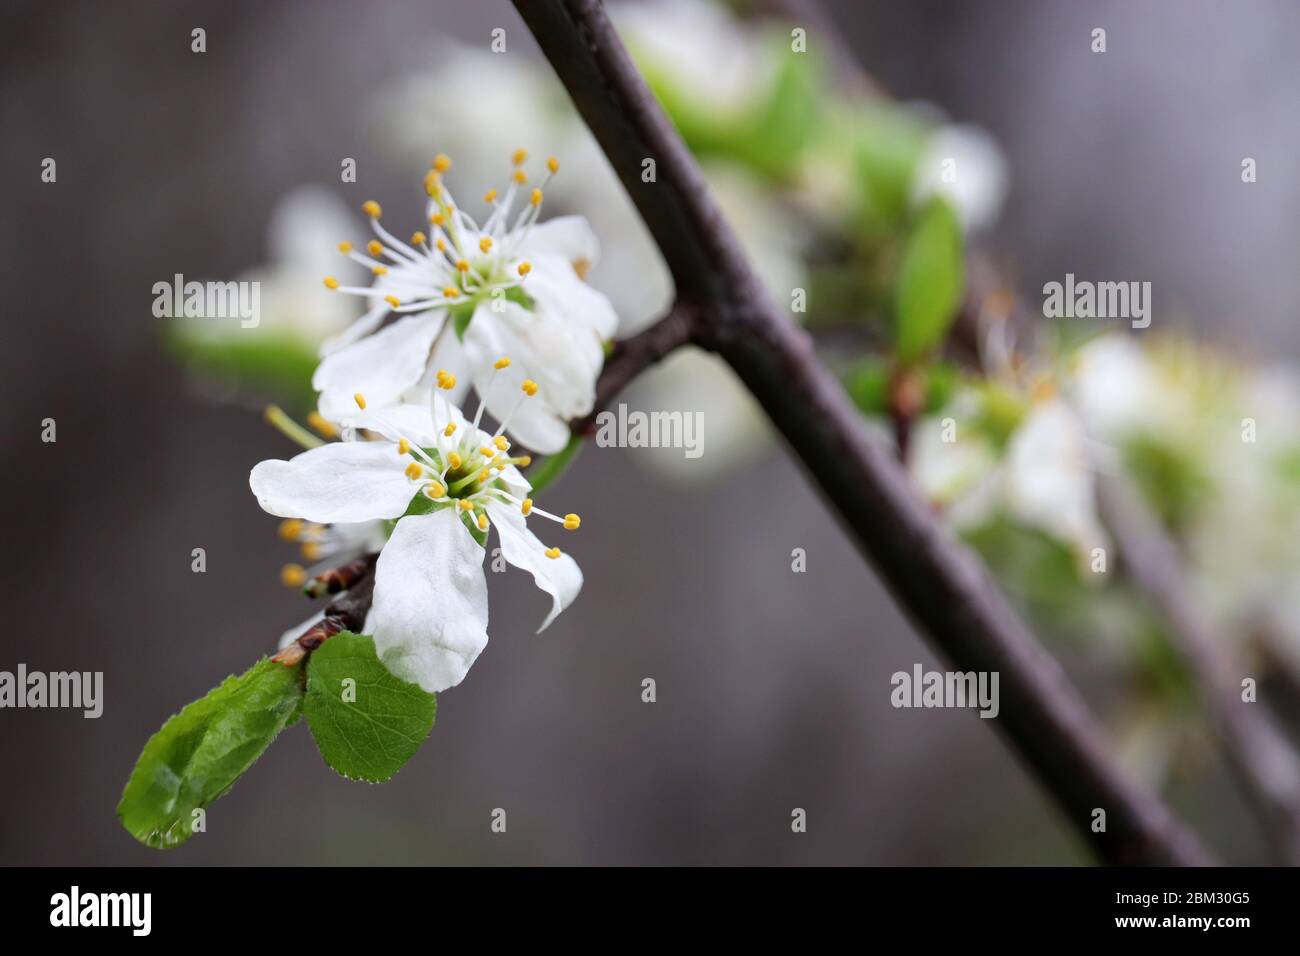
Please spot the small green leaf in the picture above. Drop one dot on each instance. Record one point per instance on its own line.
(868, 384)
(930, 279)
(367, 723)
(200, 752)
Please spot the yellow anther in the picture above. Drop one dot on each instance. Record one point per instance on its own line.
(490, 195)
(450, 429)
(317, 421)
(484, 475)
(552, 552)
(524, 461)
(311, 551)
(465, 504)
(331, 282)
(487, 452)
(572, 522)
(380, 270)
(415, 471)
(292, 575)
(502, 362)
(437, 219)
(290, 529)
(526, 506)
(393, 300)
(482, 522)
(462, 265)
(501, 442)
(525, 268)
(375, 247)
(447, 382)
(434, 490)
(485, 244)
(372, 209)
(418, 238)
(441, 245)
(529, 387)
(520, 176)
(454, 461)
(553, 165)
(442, 162)
(360, 400)
(536, 198)
(345, 247)
(519, 157)
(451, 292)
(431, 184)
(403, 447)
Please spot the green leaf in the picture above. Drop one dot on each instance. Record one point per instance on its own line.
(553, 466)
(868, 384)
(930, 279)
(367, 723)
(200, 752)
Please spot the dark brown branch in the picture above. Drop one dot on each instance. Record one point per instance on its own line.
(1254, 745)
(940, 583)
(347, 612)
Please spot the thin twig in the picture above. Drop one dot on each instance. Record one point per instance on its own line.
(1253, 744)
(941, 583)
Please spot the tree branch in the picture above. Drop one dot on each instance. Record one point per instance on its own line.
(939, 582)
(1254, 745)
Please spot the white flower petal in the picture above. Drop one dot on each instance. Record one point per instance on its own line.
(430, 612)
(337, 482)
(569, 237)
(357, 330)
(560, 577)
(409, 420)
(380, 367)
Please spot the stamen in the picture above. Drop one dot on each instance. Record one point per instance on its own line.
(435, 490)
(490, 195)
(345, 247)
(529, 387)
(553, 165)
(372, 209)
(375, 247)
(450, 429)
(572, 522)
(380, 270)
(520, 176)
(501, 442)
(360, 400)
(403, 447)
(393, 300)
(454, 460)
(317, 421)
(415, 471)
(536, 198)
(331, 282)
(519, 157)
(442, 162)
(290, 429)
(526, 507)
(290, 529)
(451, 292)
(485, 244)
(502, 362)
(525, 268)
(311, 551)
(292, 575)
(483, 522)
(552, 552)
(465, 504)
(418, 238)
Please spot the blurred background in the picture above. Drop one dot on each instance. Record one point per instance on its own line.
(773, 687)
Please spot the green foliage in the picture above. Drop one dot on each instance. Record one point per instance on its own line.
(199, 753)
(1171, 481)
(366, 722)
(930, 279)
(868, 385)
(887, 145)
(257, 363)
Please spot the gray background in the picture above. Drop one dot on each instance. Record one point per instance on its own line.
(773, 687)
